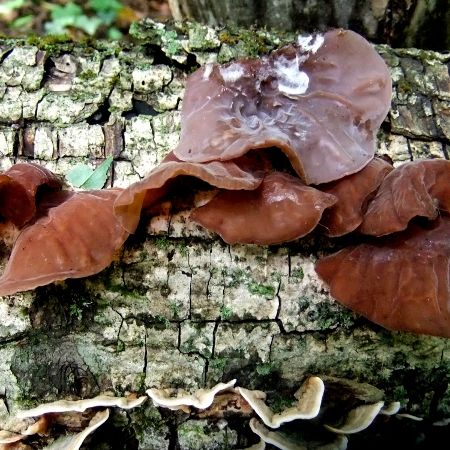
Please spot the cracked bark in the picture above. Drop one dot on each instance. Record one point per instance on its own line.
(179, 308)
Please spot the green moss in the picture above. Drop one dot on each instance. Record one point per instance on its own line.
(162, 243)
(225, 312)
(170, 42)
(235, 277)
(298, 273)
(279, 403)
(164, 321)
(123, 291)
(183, 249)
(149, 426)
(24, 311)
(261, 289)
(53, 45)
(194, 430)
(202, 37)
(88, 75)
(176, 309)
(265, 369)
(218, 363)
(120, 346)
(157, 34)
(404, 86)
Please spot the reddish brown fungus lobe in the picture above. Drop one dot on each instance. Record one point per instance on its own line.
(241, 174)
(353, 193)
(19, 186)
(400, 282)
(320, 100)
(281, 209)
(78, 236)
(418, 188)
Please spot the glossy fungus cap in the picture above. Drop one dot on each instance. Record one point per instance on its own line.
(353, 193)
(281, 209)
(19, 187)
(241, 174)
(400, 282)
(77, 237)
(417, 188)
(320, 100)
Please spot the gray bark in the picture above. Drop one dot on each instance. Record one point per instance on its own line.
(404, 23)
(179, 308)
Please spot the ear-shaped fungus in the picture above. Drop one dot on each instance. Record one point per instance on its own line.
(320, 100)
(281, 209)
(78, 236)
(353, 193)
(18, 189)
(401, 282)
(418, 188)
(230, 175)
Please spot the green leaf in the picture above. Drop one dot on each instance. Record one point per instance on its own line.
(114, 34)
(85, 177)
(22, 22)
(98, 177)
(107, 17)
(68, 11)
(88, 24)
(79, 175)
(106, 5)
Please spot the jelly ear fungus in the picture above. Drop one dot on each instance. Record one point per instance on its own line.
(76, 235)
(399, 281)
(320, 100)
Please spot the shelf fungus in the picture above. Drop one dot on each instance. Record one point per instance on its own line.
(400, 282)
(79, 418)
(74, 441)
(358, 419)
(105, 401)
(179, 399)
(277, 439)
(309, 400)
(281, 441)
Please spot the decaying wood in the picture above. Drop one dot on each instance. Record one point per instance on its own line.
(399, 23)
(179, 308)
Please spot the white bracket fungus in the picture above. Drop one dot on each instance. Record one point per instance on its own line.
(309, 398)
(75, 441)
(358, 419)
(62, 406)
(179, 399)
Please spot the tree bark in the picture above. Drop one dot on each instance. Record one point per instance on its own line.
(179, 308)
(399, 23)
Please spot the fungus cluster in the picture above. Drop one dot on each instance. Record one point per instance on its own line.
(79, 418)
(286, 145)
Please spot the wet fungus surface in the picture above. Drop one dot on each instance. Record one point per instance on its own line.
(316, 106)
(418, 188)
(66, 240)
(353, 193)
(19, 189)
(320, 100)
(281, 209)
(401, 281)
